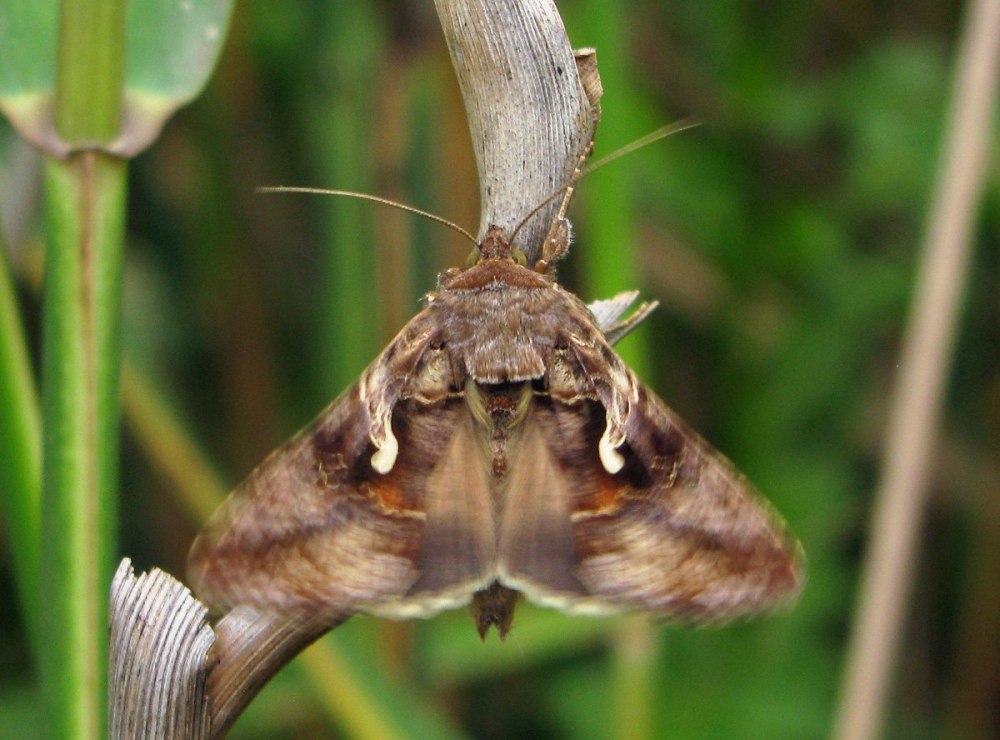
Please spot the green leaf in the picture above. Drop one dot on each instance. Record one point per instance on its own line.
(171, 49)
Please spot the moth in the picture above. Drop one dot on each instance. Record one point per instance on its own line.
(499, 447)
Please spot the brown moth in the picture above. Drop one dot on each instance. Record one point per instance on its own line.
(499, 446)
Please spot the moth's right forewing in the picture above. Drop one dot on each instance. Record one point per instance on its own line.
(441, 462)
(298, 534)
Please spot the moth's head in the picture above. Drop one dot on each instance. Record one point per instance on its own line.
(496, 246)
(495, 261)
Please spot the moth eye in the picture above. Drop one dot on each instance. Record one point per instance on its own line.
(519, 257)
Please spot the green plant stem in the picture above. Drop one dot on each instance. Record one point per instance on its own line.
(346, 341)
(609, 254)
(84, 212)
(610, 263)
(634, 664)
(21, 449)
(85, 204)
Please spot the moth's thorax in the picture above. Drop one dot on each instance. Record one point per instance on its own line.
(499, 320)
(505, 331)
(493, 273)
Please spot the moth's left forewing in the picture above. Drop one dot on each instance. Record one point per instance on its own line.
(685, 534)
(675, 530)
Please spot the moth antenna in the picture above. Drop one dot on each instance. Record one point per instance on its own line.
(567, 189)
(661, 133)
(375, 199)
(581, 172)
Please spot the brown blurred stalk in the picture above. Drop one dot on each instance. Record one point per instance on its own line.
(924, 366)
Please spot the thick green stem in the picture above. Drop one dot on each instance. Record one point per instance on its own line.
(85, 204)
(85, 207)
(84, 212)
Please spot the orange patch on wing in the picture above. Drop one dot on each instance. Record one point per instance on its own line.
(606, 499)
(390, 497)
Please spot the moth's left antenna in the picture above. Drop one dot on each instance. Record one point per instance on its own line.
(374, 199)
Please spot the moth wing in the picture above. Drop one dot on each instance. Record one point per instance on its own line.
(536, 549)
(676, 531)
(458, 541)
(316, 529)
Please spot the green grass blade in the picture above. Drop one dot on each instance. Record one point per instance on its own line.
(605, 211)
(611, 265)
(341, 139)
(21, 448)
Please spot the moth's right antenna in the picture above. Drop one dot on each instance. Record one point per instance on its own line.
(560, 226)
(661, 133)
(374, 199)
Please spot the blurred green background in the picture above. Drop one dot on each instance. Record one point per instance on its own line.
(780, 238)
